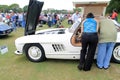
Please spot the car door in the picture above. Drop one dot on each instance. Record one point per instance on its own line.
(34, 10)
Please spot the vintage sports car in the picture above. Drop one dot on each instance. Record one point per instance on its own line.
(57, 43)
(5, 29)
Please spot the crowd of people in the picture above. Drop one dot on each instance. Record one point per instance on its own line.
(19, 19)
(52, 19)
(14, 19)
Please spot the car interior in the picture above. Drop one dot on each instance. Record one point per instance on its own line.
(75, 39)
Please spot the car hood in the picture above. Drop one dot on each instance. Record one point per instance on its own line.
(44, 38)
(51, 31)
(40, 39)
(4, 27)
(34, 10)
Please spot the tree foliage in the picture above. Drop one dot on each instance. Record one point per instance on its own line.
(77, 9)
(114, 4)
(4, 8)
(25, 8)
(13, 7)
(55, 11)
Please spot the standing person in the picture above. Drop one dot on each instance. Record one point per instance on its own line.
(1, 18)
(49, 20)
(89, 40)
(20, 19)
(24, 19)
(55, 18)
(13, 20)
(76, 16)
(114, 15)
(107, 38)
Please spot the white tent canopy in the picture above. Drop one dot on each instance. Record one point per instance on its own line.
(91, 1)
(97, 7)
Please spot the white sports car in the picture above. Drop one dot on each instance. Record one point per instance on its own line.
(57, 43)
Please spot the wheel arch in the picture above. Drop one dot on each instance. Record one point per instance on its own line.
(115, 53)
(31, 44)
(40, 46)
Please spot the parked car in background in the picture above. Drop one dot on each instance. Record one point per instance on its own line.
(43, 19)
(5, 29)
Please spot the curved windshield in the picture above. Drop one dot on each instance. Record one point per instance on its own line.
(75, 25)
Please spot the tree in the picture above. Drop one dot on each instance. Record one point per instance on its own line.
(14, 7)
(114, 4)
(25, 8)
(4, 8)
(77, 9)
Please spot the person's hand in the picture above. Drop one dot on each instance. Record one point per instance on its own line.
(80, 35)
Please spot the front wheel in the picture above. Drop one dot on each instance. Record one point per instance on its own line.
(116, 53)
(34, 52)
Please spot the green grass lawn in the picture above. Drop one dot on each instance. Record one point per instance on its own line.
(18, 67)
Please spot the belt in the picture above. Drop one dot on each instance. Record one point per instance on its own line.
(90, 33)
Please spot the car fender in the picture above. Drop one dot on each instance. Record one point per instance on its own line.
(118, 37)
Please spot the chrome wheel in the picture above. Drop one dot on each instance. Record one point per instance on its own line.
(34, 52)
(116, 53)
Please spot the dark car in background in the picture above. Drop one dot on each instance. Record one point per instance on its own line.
(5, 29)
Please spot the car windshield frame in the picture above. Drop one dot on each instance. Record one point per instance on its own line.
(75, 25)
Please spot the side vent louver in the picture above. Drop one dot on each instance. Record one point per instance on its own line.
(58, 47)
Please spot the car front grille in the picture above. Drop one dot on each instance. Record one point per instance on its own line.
(8, 31)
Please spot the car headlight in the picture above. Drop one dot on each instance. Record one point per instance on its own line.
(4, 32)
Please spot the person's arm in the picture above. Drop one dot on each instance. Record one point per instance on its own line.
(73, 17)
(116, 23)
(97, 25)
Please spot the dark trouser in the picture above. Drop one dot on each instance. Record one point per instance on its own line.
(49, 23)
(89, 44)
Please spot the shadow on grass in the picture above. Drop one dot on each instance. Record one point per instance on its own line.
(6, 37)
(61, 61)
(21, 58)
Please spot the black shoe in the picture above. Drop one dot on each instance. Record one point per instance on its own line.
(98, 67)
(80, 67)
(86, 69)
